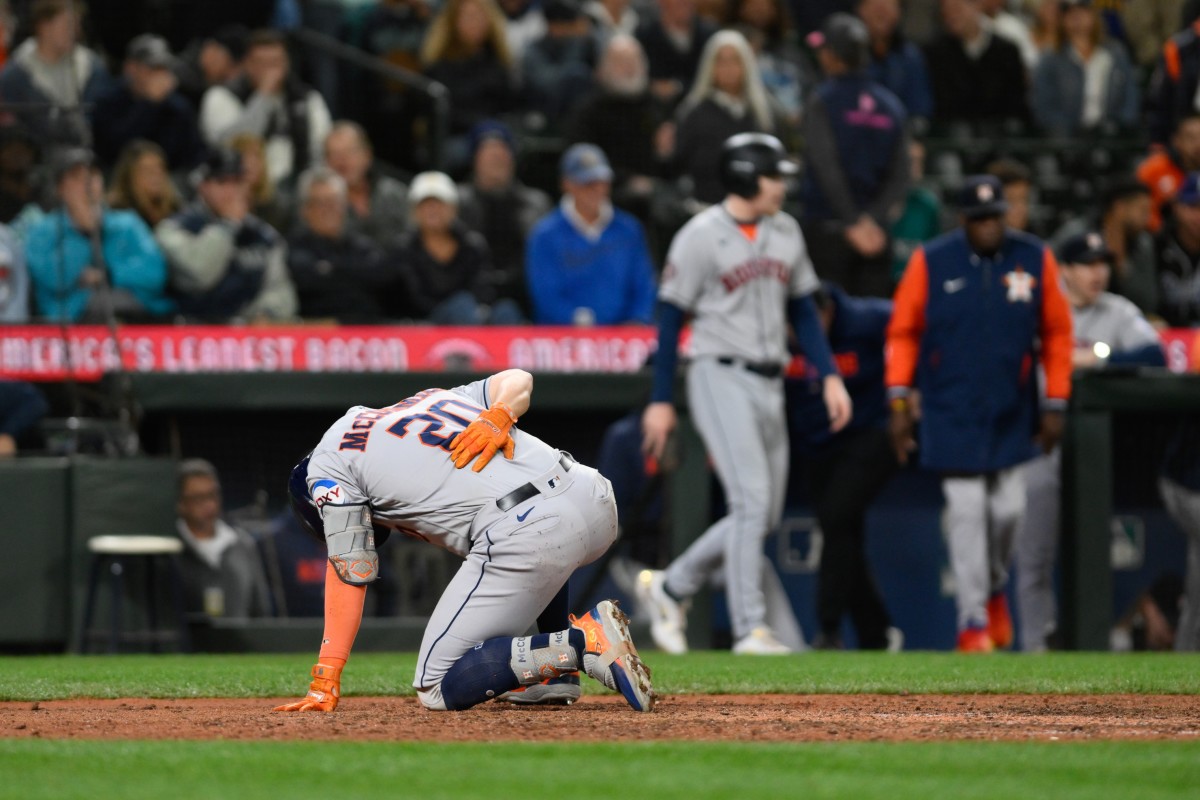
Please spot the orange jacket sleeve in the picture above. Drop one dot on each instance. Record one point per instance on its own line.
(1057, 335)
(907, 323)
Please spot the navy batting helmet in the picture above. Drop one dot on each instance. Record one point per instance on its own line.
(746, 156)
(306, 511)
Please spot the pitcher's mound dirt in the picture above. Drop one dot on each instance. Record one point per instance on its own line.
(759, 718)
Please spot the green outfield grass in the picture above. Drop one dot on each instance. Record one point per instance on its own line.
(33, 769)
(49, 677)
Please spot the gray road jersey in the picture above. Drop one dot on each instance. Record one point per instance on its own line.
(397, 459)
(738, 289)
(1114, 320)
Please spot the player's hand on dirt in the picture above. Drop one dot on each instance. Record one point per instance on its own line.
(323, 692)
(837, 403)
(1051, 431)
(490, 433)
(900, 430)
(658, 421)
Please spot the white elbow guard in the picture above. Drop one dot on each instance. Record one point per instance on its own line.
(351, 543)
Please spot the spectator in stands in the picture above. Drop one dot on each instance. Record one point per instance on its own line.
(673, 41)
(146, 105)
(921, 219)
(1164, 169)
(1175, 84)
(524, 24)
(557, 68)
(268, 100)
(1018, 191)
(14, 280)
(269, 201)
(1088, 83)
(495, 203)
(18, 161)
(978, 401)
(212, 60)
(896, 63)
(223, 573)
(728, 97)
(610, 17)
(338, 273)
(441, 262)
(856, 149)
(1179, 258)
(378, 204)
(140, 183)
(977, 76)
(1124, 222)
(1108, 330)
(68, 283)
(8, 27)
(51, 78)
(1011, 27)
(466, 51)
(226, 263)
(1149, 23)
(587, 262)
(628, 123)
(22, 407)
(1046, 25)
(785, 72)
(810, 15)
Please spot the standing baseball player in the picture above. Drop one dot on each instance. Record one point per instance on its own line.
(522, 525)
(741, 269)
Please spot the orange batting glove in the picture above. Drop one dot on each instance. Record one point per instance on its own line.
(488, 434)
(323, 692)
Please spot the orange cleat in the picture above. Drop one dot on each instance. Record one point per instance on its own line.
(975, 640)
(1000, 627)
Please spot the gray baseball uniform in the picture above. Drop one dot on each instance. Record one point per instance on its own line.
(1118, 323)
(396, 459)
(737, 288)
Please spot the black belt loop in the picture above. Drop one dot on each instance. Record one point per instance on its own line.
(765, 369)
(528, 490)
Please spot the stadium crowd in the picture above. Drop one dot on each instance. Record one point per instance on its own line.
(207, 162)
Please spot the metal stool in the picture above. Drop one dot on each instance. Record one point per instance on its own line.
(117, 554)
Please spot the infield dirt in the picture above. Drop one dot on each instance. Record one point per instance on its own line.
(759, 718)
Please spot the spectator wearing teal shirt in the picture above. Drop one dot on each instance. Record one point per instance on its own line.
(921, 219)
(66, 278)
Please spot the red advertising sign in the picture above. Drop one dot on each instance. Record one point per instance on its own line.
(42, 353)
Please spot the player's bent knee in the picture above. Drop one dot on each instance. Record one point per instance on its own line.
(432, 698)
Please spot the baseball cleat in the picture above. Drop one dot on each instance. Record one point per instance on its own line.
(610, 657)
(561, 690)
(975, 640)
(1000, 627)
(760, 642)
(668, 617)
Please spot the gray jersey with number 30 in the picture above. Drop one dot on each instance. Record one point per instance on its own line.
(397, 460)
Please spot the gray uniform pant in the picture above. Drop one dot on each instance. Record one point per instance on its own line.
(1036, 550)
(980, 519)
(519, 560)
(1184, 507)
(740, 417)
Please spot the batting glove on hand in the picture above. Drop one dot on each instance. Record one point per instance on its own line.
(488, 434)
(323, 692)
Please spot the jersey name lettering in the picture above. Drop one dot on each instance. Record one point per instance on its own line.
(761, 267)
(360, 428)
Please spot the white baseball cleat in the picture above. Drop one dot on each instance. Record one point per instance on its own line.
(760, 642)
(668, 617)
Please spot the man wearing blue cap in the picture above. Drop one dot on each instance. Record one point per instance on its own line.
(973, 311)
(587, 263)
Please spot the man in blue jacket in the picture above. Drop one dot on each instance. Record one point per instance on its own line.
(847, 469)
(586, 262)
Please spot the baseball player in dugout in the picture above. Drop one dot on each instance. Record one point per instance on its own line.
(969, 314)
(742, 271)
(522, 523)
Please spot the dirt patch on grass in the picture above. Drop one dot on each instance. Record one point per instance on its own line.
(759, 718)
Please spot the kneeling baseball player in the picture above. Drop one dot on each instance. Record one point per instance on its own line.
(522, 526)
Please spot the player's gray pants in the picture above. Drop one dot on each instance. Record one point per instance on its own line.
(516, 566)
(1184, 507)
(1036, 549)
(740, 417)
(981, 516)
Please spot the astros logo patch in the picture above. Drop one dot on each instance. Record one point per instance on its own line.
(1020, 286)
